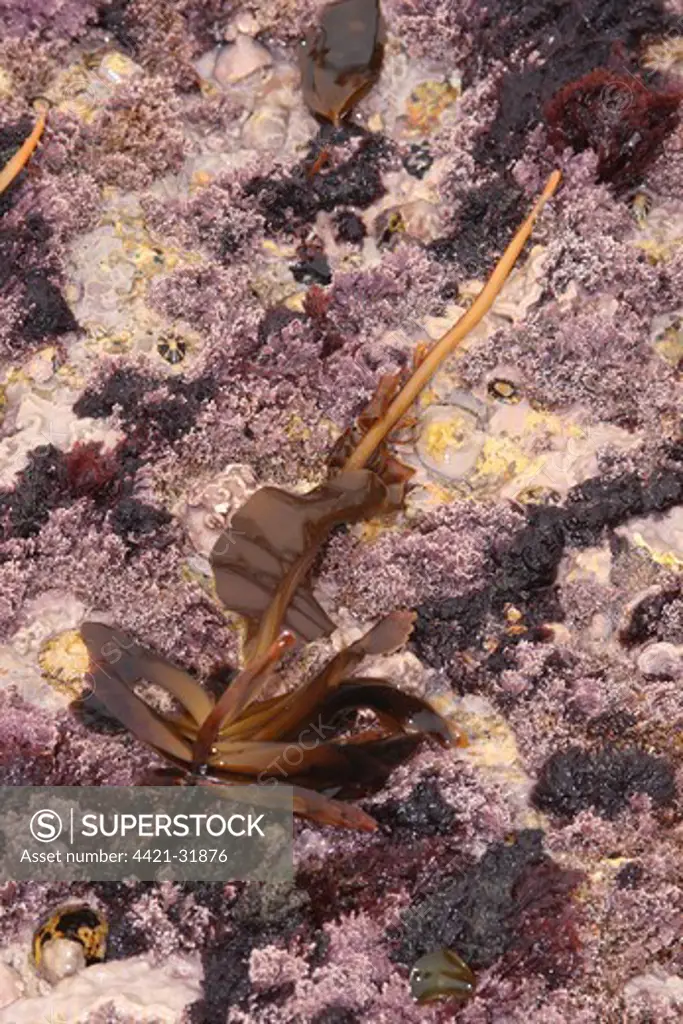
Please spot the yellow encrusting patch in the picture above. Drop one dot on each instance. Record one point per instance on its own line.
(501, 457)
(427, 102)
(64, 662)
(665, 558)
(441, 435)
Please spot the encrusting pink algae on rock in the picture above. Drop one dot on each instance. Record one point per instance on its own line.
(202, 287)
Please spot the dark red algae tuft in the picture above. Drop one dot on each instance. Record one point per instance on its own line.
(619, 117)
(91, 472)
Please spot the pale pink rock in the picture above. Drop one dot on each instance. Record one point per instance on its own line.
(239, 60)
(661, 661)
(10, 985)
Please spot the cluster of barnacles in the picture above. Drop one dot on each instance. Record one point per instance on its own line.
(261, 567)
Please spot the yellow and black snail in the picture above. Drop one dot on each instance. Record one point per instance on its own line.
(78, 922)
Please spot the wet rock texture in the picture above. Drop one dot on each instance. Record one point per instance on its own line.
(201, 286)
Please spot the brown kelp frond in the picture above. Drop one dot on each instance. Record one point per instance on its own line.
(115, 653)
(260, 564)
(395, 710)
(307, 803)
(242, 692)
(327, 811)
(377, 433)
(293, 739)
(16, 164)
(114, 669)
(344, 770)
(341, 57)
(291, 715)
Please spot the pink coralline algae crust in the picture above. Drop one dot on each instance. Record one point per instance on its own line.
(63, 750)
(146, 594)
(443, 554)
(590, 352)
(548, 852)
(356, 982)
(137, 137)
(157, 35)
(28, 743)
(585, 358)
(216, 219)
(54, 19)
(40, 214)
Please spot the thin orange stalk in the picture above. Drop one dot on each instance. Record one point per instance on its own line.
(321, 160)
(23, 155)
(445, 345)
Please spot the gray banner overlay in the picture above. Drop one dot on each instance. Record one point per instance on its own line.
(148, 833)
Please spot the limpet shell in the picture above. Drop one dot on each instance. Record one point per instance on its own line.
(452, 437)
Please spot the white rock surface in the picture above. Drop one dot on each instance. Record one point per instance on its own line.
(41, 421)
(239, 60)
(244, 22)
(206, 64)
(134, 986)
(661, 661)
(10, 985)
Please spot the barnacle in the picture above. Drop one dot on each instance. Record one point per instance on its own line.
(504, 390)
(16, 164)
(172, 350)
(441, 975)
(239, 739)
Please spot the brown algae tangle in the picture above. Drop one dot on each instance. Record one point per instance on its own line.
(261, 567)
(261, 562)
(441, 975)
